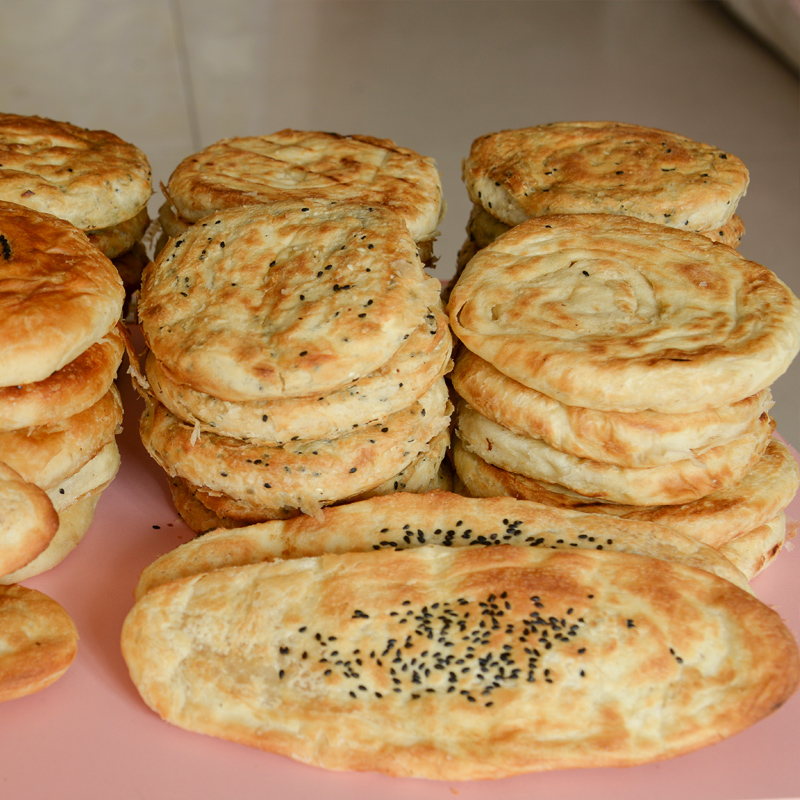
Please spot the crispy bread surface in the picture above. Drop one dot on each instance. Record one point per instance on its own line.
(644, 659)
(616, 314)
(289, 299)
(92, 179)
(58, 294)
(307, 165)
(402, 520)
(606, 168)
(38, 641)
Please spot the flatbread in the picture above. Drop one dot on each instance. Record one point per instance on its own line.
(38, 641)
(616, 314)
(712, 470)
(421, 360)
(293, 299)
(303, 475)
(308, 165)
(601, 167)
(378, 661)
(58, 295)
(401, 520)
(637, 439)
(720, 517)
(92, 179)
(28, 521)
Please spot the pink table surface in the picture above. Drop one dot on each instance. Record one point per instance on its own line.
(90, 736)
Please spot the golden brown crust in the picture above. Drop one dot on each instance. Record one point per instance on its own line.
(48, 454)
(647, 660)
(638, 439)
(72, 389)
(92, 179)
(73, 525)
(604, 168)
(307, 165)
(119, 239)
(612, 313)
(753, 551)
(28, 521)
(302, 475)
(58, 295)
(765, 491)
(712, 470)
(38, 641)
(284, 300)
(402, 520)
(412, 370)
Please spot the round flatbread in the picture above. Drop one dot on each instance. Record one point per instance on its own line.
(306, 165)
(92, 179)
(637, 439)
(422, 359)
(58, 294)
(283, 300)
(38, 641)
(604, 168)
(682, 481)
(716, 519)
(612, 313)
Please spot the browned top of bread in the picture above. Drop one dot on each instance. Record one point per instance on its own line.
(93, 179)
(71, 389)
(402, 520)
(58, 294)
(606, 168)
(286, 299)
(38, 641)
(304, 165)
(461, 663)
(613, 313)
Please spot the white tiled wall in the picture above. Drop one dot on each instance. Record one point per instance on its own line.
(174, 75)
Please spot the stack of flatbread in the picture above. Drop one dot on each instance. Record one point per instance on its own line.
(307, 165)
(60, 305)
(616, 365)
(600, 168)
(91, 178)
(296, 354)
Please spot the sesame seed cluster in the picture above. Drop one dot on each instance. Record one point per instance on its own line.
(617, 351)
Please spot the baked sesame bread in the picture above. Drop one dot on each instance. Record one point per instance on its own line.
(28, 521)
(283, 300)
(682, 481)
(302, 475)
(716, 519)
(603, 167)
(92, 179)
(412, 370)
(402, 520)
(58, 294)
(72, 389)
(94, 476)
(462, 663)
(48, 454)
(616, 314)
(637, 439)
(422, 474)
(38, 641)
(305, 165)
